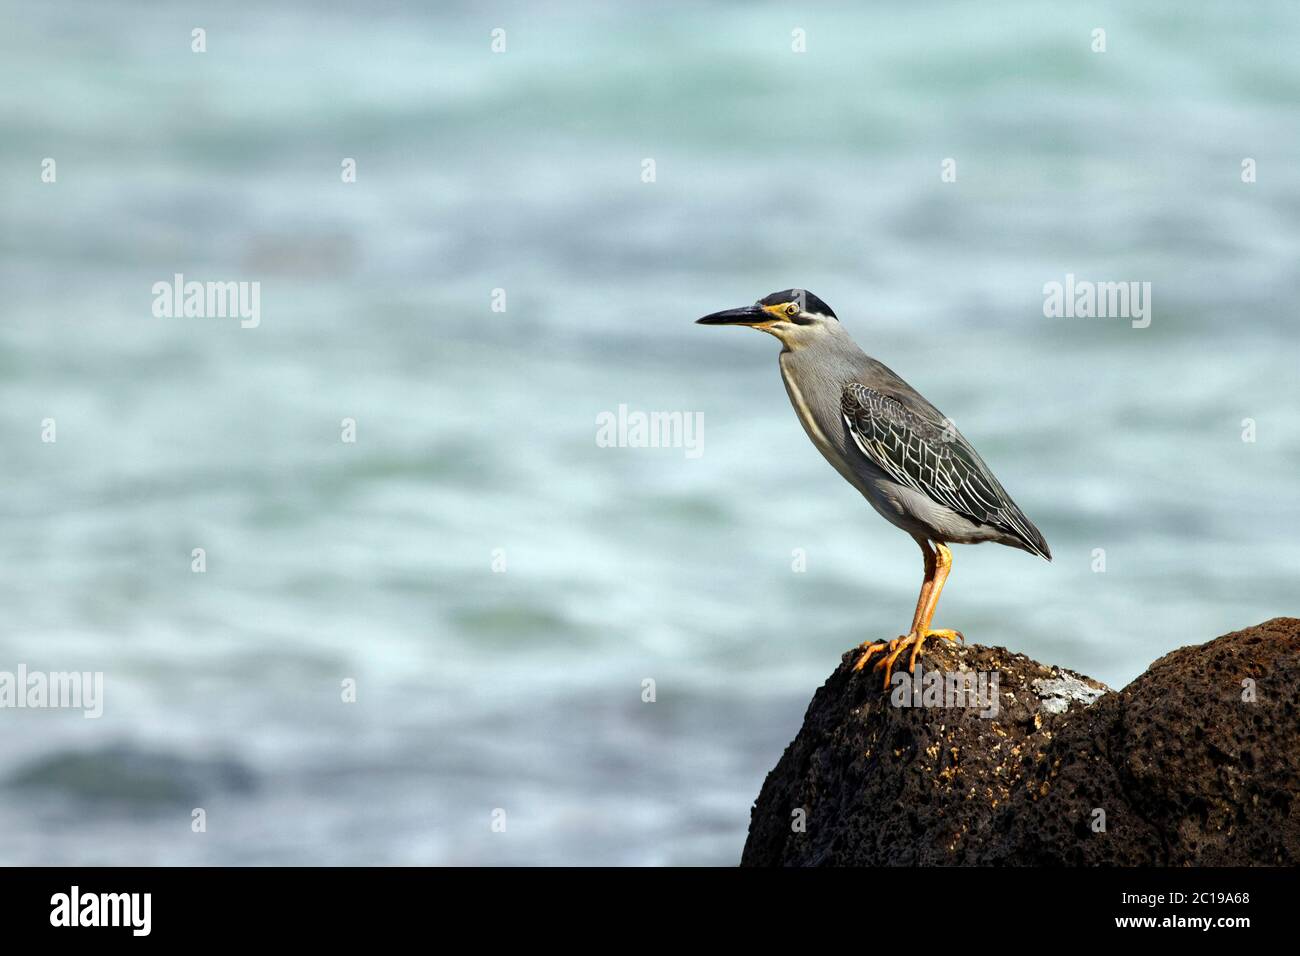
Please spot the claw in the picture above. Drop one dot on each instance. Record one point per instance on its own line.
(896, 647)
(947, 635)
(892, 650)
(867, 652)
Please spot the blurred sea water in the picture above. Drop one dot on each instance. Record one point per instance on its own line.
(522, 690)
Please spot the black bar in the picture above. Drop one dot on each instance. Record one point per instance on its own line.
(331, 906)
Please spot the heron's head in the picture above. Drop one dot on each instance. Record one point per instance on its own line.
(795, 316)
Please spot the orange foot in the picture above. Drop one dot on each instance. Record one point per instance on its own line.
(890, 650)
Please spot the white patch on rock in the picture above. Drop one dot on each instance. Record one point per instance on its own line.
(1057, 694)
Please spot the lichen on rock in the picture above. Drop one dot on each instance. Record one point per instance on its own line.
(1058, 693)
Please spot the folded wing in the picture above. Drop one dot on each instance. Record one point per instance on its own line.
(919, 449)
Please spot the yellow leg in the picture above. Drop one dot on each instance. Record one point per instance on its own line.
(937, 569)
(871, 647)
(927, 586)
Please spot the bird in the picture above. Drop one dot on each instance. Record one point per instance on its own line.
(890, 443)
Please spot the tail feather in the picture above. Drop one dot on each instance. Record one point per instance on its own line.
(1026, 532)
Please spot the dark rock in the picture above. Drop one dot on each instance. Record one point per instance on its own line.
(1186, 769)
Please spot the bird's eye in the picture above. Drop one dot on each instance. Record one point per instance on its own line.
(792, 309)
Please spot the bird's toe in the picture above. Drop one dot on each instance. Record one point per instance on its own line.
(868, 649)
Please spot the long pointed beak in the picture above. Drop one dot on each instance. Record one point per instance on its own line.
(749, 315)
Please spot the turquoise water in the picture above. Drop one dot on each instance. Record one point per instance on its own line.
(521, 689)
